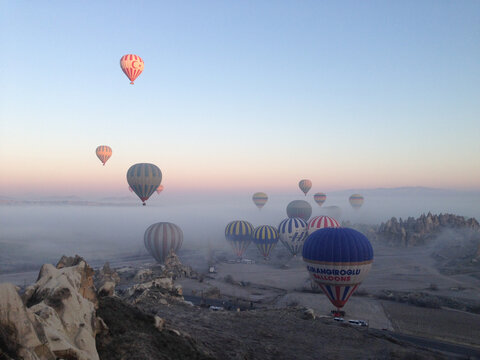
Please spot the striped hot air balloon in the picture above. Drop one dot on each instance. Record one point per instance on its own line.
(300, 209)
(320, 222)
(239, 234)
(132, 65)
(162, 237)
(260, 199)
(144, 179)
(356, 200)
(338, 260)
(305, 185)
(103, 153)
(159, 189)
(265, 237)
(320, 198)
(292, 233)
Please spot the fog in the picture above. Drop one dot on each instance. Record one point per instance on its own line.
(111, 229)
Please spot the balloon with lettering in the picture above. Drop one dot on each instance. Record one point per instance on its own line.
(103, 153)
(260, 199)
(265, 237)
(320, 198)
(338, 260)
(132, 65)
(300, 209)
(292, 233)
(239, 234)
(320, 222)
(144, 179)
(356, 200)
(305, 185)
(161, 238)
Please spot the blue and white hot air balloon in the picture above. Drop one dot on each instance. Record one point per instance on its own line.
(338, 260)
(293, 232)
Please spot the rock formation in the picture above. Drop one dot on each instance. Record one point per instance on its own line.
(175, 269)
(58, 318)
(412, 232)
(106, 280)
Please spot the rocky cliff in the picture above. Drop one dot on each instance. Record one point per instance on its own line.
(413, 232)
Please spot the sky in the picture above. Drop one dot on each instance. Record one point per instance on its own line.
(240, 95)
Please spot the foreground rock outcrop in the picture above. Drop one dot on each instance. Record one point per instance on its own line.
(56, 318)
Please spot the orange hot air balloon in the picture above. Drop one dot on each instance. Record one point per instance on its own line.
(132, 66)
(159, 189)
(103, 153)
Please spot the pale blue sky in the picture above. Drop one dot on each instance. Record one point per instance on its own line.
(260, 93)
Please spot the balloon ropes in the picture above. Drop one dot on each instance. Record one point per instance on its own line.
(161, 238)
(103, 153)
(144, 179)
(292, 233)
(338, 260)
(132, 65)
(239, 234)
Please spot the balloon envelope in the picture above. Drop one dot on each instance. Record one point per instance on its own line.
(292, 233)
(260, 199)
(132, 65)
(103, 153)
(265, 237)
(162, 237)
(144, 179)
(338, 260)
(356, 200)
(333, 211)
(320, 222)
(300, 209)
(320, 198)
(239, 234)
(305, 185)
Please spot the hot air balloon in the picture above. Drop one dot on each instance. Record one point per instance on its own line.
(265, 237)
(333, 211)
(305, 185)
(356, 200)
(320, 198)
(159, 189)
(162, 237)
(338, 260)
(260, 199)
(132, 66)
(320, 222)
(292, 233)
(103, 153)
(300, 209)
(239, 234)
(144, 179)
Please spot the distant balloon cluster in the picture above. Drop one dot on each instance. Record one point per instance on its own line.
(338, 259)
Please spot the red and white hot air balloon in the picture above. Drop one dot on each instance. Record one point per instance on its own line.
(103, 153)
(320, 222)
(132, 65)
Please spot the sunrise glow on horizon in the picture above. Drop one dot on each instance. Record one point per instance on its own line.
(241, 97)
